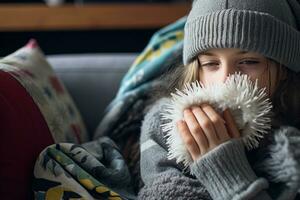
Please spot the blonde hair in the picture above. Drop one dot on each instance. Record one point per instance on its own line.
(191, 73)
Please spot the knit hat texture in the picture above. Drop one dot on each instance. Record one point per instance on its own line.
(268, 27)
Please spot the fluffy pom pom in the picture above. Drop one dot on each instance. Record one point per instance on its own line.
(248, 104)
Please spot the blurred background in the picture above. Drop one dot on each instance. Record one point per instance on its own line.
(85, 26)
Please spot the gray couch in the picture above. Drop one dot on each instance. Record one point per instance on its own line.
(92, 80)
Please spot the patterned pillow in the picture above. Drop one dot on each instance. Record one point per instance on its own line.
(35, 111)
(29, 66)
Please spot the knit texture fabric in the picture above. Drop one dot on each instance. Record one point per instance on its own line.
(268, 27)
(227, 174)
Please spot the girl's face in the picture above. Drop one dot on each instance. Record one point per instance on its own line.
(217, 64)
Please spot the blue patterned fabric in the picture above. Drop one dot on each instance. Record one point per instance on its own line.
(141, 77)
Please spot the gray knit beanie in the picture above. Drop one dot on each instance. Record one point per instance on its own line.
(268, 27)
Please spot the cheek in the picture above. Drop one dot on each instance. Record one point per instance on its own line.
(264, 82)
(255, 72)
(261, 74)
(268, 79)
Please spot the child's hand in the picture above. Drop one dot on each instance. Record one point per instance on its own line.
(204, 129)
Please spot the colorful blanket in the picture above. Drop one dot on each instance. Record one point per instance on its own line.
(108, 167)
(94, 170)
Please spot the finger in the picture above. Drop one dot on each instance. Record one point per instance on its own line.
(192, 125)
(217, 121)
(230, 124)
(206, 126)
(188, 139)
(197, 132)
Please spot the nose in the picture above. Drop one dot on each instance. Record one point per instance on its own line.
(228, 69)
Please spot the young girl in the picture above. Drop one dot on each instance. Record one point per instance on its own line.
(259, 38)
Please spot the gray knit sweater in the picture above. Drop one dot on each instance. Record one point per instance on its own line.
(227, 172)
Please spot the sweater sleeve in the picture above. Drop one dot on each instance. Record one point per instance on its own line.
(163, 178)
(227, 174)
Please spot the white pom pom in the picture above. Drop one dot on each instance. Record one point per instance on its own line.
(248, 104)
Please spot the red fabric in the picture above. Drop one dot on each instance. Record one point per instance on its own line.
(24, 134)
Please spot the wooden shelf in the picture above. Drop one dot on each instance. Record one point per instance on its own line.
(39, 17)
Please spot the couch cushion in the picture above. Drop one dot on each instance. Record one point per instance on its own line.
(29, 66)
(92, 80)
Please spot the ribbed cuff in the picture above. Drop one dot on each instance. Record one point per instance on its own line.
(226, 172)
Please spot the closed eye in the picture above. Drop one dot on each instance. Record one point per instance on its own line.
(249, 62)
(209, 64)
